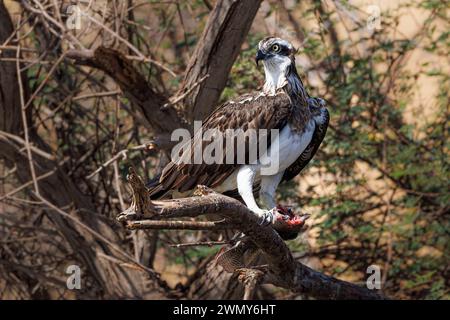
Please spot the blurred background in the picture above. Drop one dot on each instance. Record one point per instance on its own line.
(377, 190)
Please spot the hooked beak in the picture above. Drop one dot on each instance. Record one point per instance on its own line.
(259, 56)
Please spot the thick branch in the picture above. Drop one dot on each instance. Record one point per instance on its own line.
(283, 270)
(178, 225)
(216, 51)
(147, 101)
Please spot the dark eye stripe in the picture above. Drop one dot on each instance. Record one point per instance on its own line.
(283, 50)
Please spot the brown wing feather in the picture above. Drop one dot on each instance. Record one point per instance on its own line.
(248, 112)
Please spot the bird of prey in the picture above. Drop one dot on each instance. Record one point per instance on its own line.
(283, 104)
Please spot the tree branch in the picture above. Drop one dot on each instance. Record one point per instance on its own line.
(158, 113)
(283, 270)
(250, 278)
(216, 51)
(178, 225)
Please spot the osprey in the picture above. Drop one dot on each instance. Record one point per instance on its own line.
(284, 105)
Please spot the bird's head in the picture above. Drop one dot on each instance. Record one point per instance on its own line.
(274, 51)
(277, 56)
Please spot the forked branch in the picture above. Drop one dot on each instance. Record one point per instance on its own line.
(283, 270)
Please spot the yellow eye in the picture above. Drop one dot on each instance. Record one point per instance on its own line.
(275, 48)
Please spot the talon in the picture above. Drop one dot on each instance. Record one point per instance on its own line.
(267, 218)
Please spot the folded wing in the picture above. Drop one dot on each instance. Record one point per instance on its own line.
(249, 112)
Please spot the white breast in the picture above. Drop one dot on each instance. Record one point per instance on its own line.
(281, 155)
(289, 147)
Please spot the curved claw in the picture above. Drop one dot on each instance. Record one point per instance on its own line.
(267, 217)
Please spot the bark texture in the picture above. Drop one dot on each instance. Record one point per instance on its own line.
(226, 29)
